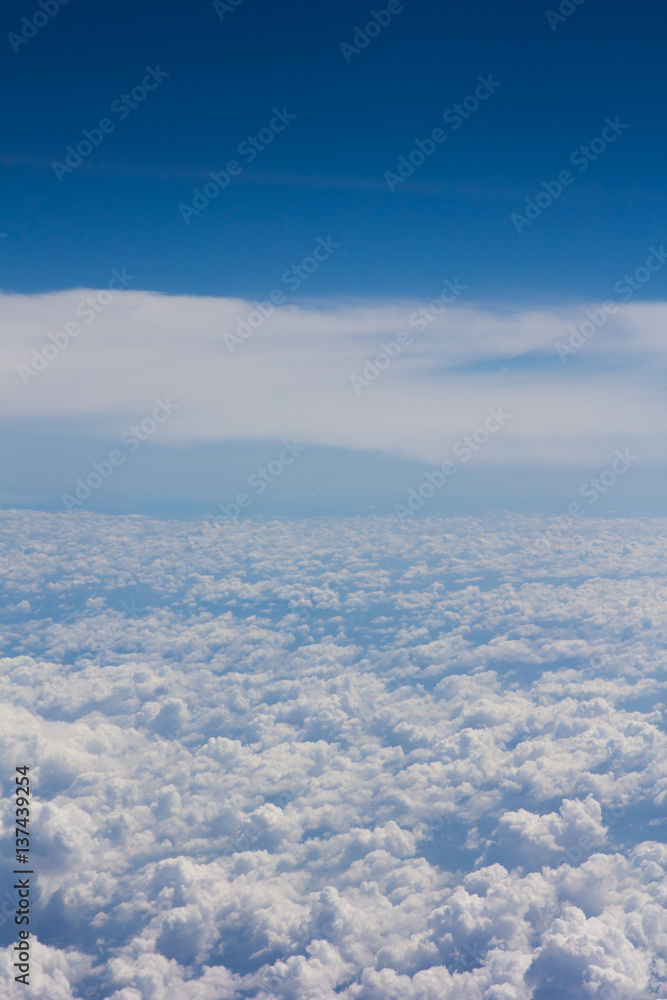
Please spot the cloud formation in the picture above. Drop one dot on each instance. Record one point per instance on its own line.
(292, 372)
(335, 758)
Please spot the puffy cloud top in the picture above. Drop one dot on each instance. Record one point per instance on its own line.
(337, 759)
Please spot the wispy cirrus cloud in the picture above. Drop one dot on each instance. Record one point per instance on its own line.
(459, 190)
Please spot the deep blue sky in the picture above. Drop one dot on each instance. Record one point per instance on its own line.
(324, 173)
(323, 177)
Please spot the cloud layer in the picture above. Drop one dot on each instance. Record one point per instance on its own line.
(292, 373)
(338, 758)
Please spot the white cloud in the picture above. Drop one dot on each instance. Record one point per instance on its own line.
(292, 377)
(427, 785)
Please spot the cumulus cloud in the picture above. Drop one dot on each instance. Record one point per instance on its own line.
(332, 759)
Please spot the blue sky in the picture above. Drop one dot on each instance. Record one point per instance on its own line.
(325, 173)
(539, 196)
(332, 466)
